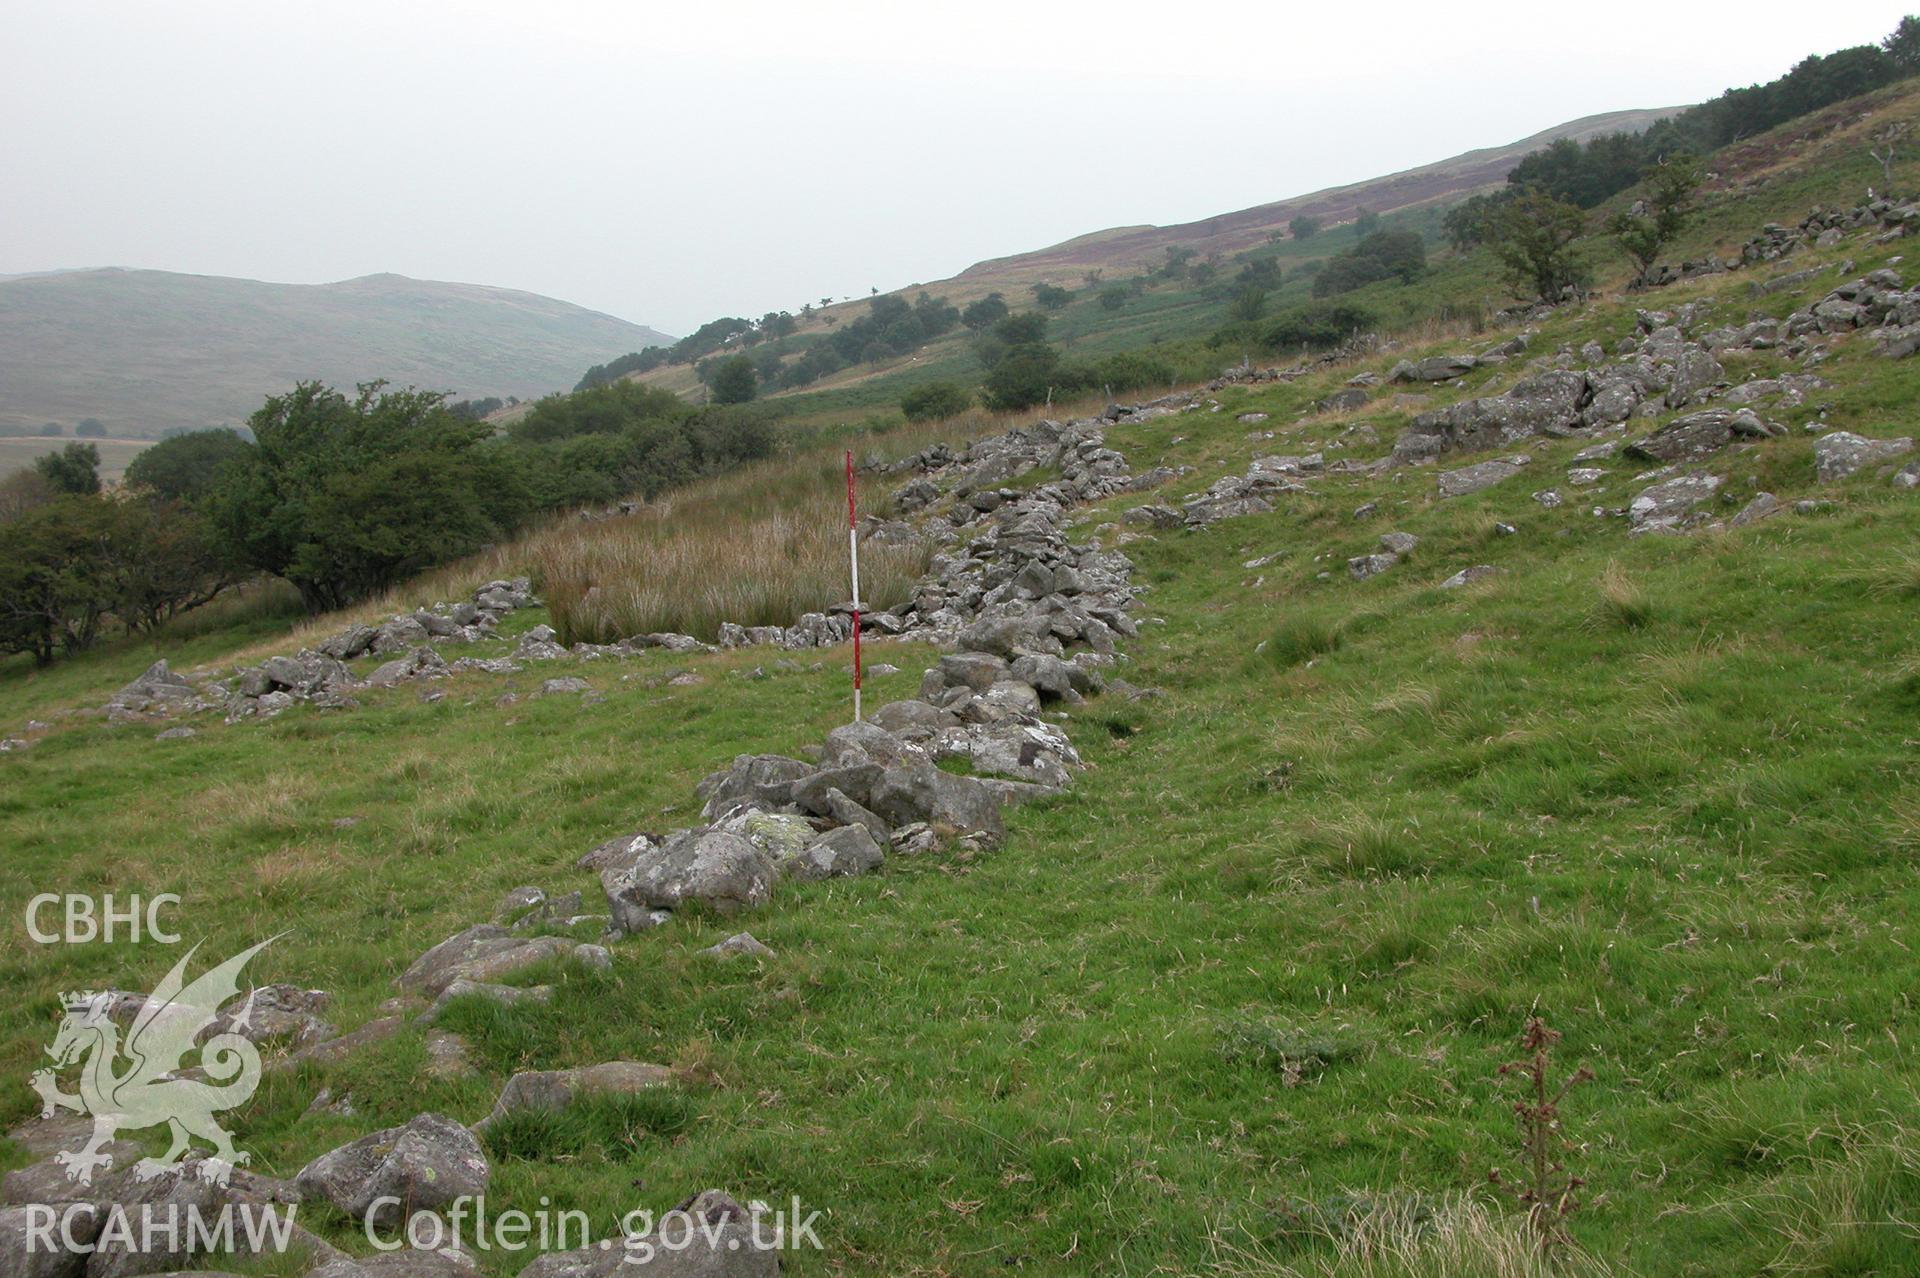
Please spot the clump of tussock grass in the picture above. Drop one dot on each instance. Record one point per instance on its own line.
(1359, 847)
(1854, 1214)
(1622, 603)
(756, 548)
(1903, 825)
(1298, 640)
(1400, 1236)
(1897, 578)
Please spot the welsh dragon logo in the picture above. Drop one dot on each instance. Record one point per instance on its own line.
(141, 1082)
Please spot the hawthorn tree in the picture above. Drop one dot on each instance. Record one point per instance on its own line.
(734, 381)
(1645, 230)
(1535, 238)
(345, 497)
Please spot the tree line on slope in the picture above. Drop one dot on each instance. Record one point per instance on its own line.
(340, 495)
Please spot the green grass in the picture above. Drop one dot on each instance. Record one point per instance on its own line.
(1239, 998)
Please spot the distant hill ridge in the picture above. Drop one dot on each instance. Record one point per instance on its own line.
(145, 351)
(1449, 179)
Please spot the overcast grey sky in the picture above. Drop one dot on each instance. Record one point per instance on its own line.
(671, 163)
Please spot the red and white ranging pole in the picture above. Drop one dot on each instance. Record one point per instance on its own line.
(853, 557)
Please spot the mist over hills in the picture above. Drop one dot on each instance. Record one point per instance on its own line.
(146, 351)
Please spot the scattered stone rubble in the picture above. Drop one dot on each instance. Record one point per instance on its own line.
(1824, 227)
(319, 675)
(1659, 369)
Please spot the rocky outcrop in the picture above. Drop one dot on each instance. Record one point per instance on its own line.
(1839, 454)
(319, 675)
(722, 871)
(1549, 403)
(158, 690)
(1702, 434)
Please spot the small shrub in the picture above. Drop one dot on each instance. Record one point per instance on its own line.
(1318, 327)
(1545, 1187)
(936, 401)
(1118, 374)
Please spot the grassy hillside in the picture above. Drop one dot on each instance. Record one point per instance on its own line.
(1171, 309)
(1242, 993)
(144, 351)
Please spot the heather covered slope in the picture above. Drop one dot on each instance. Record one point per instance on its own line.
(1120, 249)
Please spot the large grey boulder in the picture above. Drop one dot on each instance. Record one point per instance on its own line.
(1025, 751)
(722, 871)
(977, 670)
(399, 635)
(352, 642)
(1009, 699)
(553, 1090)
(1667, 505)
(1054, 678)
(483, 953)
(23, 1253)
(853, 744)
(1003, 636)
(1471, 479)
(1686, 438)
(1548, 403)
(847, 811)
(424, 1165)
(157, 689)
(777, 834)
(1694, 375)
(855, 780)
(950, 804)
(621, 850)
(1841, 453)
(759, 780)
(912, 720)
(849, 850)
